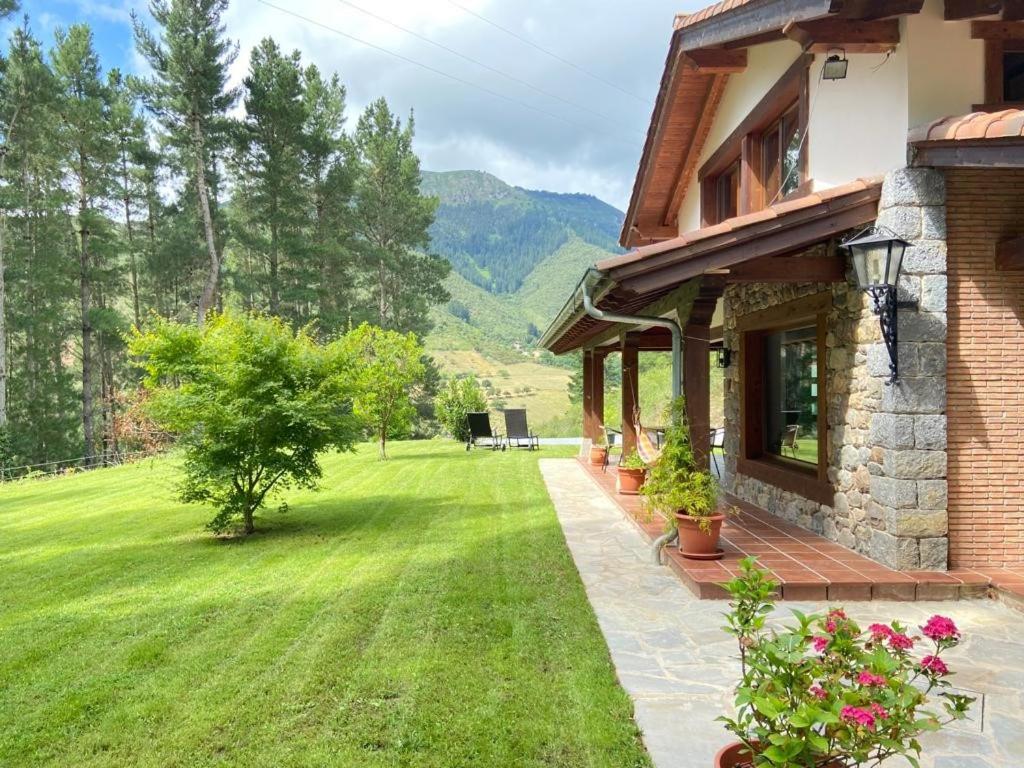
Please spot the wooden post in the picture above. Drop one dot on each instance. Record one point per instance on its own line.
(697, 388)
(598, 391)
(630, 395)
(588, 395)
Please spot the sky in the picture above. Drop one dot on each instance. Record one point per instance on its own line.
(483, 99)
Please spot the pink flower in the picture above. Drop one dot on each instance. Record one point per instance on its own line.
(900, 642)
(870, 679)
(933, 665)
(820, 644)
(879, 711)
(940, 628)
(859, 716)
(818, 692)
(880, 632)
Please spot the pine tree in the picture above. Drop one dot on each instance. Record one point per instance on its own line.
(271, 190)
(391, 218)
(329, 176)
(189, 95)
(90, 153)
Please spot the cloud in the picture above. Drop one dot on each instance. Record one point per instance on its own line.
(477, 118)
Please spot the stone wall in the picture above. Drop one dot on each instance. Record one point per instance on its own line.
(886, 445)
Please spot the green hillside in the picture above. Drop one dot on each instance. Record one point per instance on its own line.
(495, 235)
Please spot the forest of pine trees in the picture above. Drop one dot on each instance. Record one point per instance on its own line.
(121, 198)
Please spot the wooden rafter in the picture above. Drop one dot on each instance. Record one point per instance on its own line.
(716, 61)
(959, 10)
(852, 36)
(997, 30)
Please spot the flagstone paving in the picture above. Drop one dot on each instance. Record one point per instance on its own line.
(677, 664)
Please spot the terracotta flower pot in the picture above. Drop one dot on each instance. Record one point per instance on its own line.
(736, 755)
(598, 455)
(694, 543)
(630, 480)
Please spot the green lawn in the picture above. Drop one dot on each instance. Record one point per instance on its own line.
(418, 612)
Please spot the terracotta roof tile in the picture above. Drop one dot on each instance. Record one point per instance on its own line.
(736, 223)
(976, 126)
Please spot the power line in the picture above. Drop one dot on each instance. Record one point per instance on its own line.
(442, 73)
(546, 52)
(472, 60)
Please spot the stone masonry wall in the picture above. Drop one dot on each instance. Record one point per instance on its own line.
(886, 445)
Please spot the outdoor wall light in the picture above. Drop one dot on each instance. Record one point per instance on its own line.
(835, 66)
(724, 357)
(877, 258)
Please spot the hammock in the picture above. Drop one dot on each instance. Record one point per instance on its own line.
(648, 452)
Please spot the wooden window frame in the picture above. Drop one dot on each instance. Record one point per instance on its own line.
(995, 47)
(808, 481)
(744, 145)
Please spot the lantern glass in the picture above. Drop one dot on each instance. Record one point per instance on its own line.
(877, 259)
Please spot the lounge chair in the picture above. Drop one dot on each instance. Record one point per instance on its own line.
(789, 440)
(480, 433)
(717, 441)
(517, 433)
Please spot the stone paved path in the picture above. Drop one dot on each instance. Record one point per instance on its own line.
(678, 665)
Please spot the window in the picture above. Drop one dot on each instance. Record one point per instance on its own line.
(1004, 74)
(780, 157)
(783, 390)
(791, 394)
(1013, 76)
(763, 159)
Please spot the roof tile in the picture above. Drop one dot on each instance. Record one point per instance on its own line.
(976, 126)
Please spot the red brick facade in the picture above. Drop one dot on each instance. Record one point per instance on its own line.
(986, 370)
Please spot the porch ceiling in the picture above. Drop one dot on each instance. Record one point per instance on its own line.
(755, 247)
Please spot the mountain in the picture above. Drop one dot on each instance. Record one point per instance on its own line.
(495, 234)
(516, 254)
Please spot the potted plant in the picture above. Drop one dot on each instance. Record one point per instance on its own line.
(685, 493)
(825, 693)
(631, 474)
(599, 452)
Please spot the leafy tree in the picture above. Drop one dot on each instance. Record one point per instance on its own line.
(459, 397)
(390, 365)
(253, 403)
(189, 94)
(391, 218)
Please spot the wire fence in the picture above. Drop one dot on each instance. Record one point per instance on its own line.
(71, 466)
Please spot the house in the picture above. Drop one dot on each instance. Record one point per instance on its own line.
(783, 128)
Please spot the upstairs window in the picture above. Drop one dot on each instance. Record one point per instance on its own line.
(1004, 73)
(1013, 75)
(764, 159)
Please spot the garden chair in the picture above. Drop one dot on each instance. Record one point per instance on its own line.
(789, 440)
(480, 433)
(611, 435)
(517, 433)
(717, 441)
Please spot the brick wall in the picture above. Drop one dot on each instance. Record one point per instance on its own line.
(985, 377)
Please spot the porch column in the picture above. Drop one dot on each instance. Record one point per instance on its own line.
(593, 395)
(697, 388)
(597, 376)
(630, 396)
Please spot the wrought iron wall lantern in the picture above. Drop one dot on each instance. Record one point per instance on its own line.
(877, 259)
(724, 357)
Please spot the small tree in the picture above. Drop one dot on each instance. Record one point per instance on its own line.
(459, 397)
(388, 365)
(253, 404)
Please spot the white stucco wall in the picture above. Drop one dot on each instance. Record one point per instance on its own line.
(946, 67)
(858, 126)
(765, 65)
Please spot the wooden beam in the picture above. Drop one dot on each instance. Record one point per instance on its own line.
(1013, 10)
(790, 269)
(655, 232)
(590, 429)
(716, 61)
(852, 36)
(700, 134)
(1010, 254)
(997, 30)
(957, 10)
(630, 395)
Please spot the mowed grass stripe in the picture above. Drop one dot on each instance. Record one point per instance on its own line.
(422, 611)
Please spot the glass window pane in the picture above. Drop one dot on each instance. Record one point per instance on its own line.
(790, 155)
(791, 397)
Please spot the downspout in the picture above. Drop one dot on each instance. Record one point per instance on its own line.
(677, 387)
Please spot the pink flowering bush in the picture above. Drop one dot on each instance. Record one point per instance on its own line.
(827, 693)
